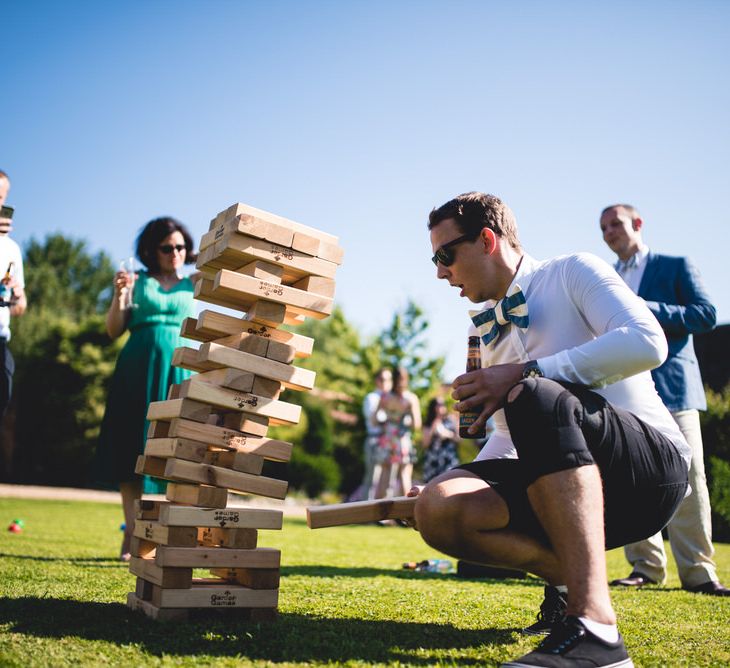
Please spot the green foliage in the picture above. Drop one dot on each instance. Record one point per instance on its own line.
(716, 442)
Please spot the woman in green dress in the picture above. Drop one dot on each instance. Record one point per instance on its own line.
(161, 300)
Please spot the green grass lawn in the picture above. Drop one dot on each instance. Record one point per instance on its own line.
(344, 600)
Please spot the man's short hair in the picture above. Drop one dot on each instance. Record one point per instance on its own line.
(633, 211)
(474, 211)
(4, 175)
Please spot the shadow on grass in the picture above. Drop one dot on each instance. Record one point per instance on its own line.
(90, 561)
(292, 637)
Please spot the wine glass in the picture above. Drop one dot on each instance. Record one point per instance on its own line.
(128, 267)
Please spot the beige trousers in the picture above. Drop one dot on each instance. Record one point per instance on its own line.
(690, 530)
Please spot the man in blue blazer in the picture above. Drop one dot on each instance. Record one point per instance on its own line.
(672, 289)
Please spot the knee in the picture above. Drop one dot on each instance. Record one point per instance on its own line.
(437, 514)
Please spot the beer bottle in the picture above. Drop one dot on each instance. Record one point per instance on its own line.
(467, 418)
(6, 292)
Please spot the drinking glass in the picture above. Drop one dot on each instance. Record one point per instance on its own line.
(128, 267)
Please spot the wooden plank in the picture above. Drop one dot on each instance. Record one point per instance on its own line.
(154, 466)
(399, 507)
(264, 271)
(280, 352)
(197, 495)
(255, 425)
(196, 557)
(223, 437)
(159, 429)
(146, 509)
(236, 461)
(263, 578)
(229, 538)
(142, 548)
(211, 595)
(243, 289)
(232, 517)
(234, 379)
(248, 343)
(264, 387)
(305, 243)
(153, 612)
(247, 224)
(331, 252)
(172, 578)
(316, 285)
(185, 357)
(178, 408)
(182, 471)
(293, 377)
(143, 589)
(181, 448)
(163, 535)
(278, 412)
(266, 313)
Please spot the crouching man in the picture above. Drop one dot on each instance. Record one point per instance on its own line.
(584, 458)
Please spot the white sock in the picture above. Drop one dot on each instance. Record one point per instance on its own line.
(563, 589)
(606, 632)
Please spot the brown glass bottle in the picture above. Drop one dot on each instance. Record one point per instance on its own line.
(467, 418)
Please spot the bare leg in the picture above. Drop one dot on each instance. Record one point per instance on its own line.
(405, 478)
(384, 480)
(130, 491)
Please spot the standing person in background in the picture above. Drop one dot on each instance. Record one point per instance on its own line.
(162, 299)
(672, 289)
(439, 440)
(373, 430)
(13, 286)
(396, 453)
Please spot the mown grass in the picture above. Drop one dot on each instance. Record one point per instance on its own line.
(344, 601)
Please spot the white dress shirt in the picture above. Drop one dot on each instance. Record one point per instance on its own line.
(586, 327)
(9, 252)
(632, 271)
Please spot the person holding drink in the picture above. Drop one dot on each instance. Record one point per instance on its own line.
(152, 305)
(12, 292)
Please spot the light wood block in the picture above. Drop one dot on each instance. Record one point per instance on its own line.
(255, 425)
(263, 578)
(264, 387)
(233, 379)
(143, 589)
(187, 358)
(305, 243)
(236, 538)
(331, 252)
(236, 461)
(179, 470)
(317, 285)
(279, 412)
(158, 429)
(197, 495)
(181, 448)
(280, 352)
(399, 507)
(153, 612)
(248, 343)
(171, 578)
(142, 548)
(173, 392)
(264, 271)
(267, 313)
(178, 408)
(146, 509)
(250, 225)
(196, 557)
(241, 518)
(292, 377)
(210, 595)
(162, 535)
(154, 466)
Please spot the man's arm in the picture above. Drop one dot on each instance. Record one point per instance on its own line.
(694, 313)
(19, 303)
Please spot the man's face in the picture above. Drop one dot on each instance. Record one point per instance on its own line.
(470, 271)
(4, 188)
(620, 232)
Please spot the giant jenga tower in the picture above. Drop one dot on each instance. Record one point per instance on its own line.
(210, 436)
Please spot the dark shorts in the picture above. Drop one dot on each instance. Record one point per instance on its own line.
(6, 375)
(644, 477)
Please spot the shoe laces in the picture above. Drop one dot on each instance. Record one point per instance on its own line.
(552, 609)
(565, 634)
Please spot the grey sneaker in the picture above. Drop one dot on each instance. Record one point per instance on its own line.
(552, 611)
(571, 644)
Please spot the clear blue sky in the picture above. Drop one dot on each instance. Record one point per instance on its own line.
(358, 117)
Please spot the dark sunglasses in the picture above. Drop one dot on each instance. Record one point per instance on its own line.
(445, 255)
(167, 249)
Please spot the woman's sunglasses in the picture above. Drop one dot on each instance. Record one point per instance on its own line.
(167, 249)
(445, 254)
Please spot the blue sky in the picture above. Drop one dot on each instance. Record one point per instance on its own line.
(359, 117)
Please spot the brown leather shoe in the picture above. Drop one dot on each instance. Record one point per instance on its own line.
(713, 588)
(636, 579)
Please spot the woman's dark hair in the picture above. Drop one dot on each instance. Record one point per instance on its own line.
(152, 235)
(432, 410)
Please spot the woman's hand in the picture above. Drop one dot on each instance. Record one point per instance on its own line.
(122, 282)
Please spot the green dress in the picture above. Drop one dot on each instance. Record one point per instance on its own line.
(143, 373)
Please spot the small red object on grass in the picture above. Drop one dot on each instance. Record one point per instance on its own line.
(15, 528)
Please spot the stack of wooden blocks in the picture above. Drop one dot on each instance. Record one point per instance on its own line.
(210, 436)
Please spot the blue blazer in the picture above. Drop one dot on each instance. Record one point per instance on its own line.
(673, 291)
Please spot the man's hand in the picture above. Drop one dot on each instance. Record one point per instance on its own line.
(485, 390)
(6, 225)
(413, 491)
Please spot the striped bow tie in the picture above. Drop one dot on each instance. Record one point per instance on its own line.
(513, 308)
(623, 267)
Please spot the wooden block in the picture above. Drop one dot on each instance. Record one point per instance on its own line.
(197, 495)
(187, 358)
(179, 470)
(178, 408)
(264, 387)
(188, 329)
(305, 243)
(240, 539)
(164, 535)
(302, 345)
(242, 289)
(316, 285)
(247, 224)
(331, 252)
(280, 352)
(181, 448)
(154, 466)
(263, 270)
(169, 577)
(209, 595)
(153, 612)
(255, 425)
(146, 509)
(159, 429)
(143, 589)
(399, 507)
(221, 437)
(242, 518)
(248, 343)
(293, 377)
(173, 392)
(142, 548)
(236, 461)
(267, 313)
(196, 557)
(263, 578)
(279, 412)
